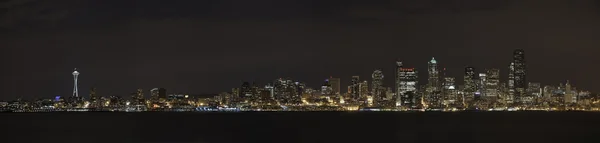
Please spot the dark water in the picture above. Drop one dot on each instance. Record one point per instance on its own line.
(306, 127)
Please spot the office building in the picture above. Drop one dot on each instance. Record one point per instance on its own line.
(326, 88)
(569, 98)
(511, 84)
(406, 85)
(492, 83)
(335, 85)
(434, 76)
(355, 87)
(364, 89)
(377, 85)
(519, 73)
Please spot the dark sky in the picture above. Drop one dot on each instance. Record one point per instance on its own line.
(209, 46)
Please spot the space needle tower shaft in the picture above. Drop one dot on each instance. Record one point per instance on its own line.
(75, 90)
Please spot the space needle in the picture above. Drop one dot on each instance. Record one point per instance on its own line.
(75, 91)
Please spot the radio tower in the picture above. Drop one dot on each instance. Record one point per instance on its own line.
(75, 91)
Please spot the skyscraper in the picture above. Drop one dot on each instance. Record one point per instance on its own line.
(534, 89)
(335, 85)
(470, 85)
(469, 80)
(364, 89)
(520, 73)
(326, 88)
(154, 94)
(75, 90)
(511, 84)
(434, 76)
(481, 88)
(569, 97)
(406, 85)
(377, 85)
(355, 87)
(492, 84)
(450, 92)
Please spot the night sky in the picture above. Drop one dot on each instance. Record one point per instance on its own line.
(210, 46)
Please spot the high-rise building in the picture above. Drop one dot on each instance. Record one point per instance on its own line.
(534, 89)
(511, 83)
(470, 85)
(245, 90)
(355, 87)
(470, 81)
(520, 74)
(75, 89)
(406, 85)
(270, 88)
(434, 76)
(450, 91)
(235, 92)
(364, 89)
(481, 84)
(138, 97)
(286, 90)
(154, 94)
(326, 88)
(335, 85)
(389, 94)
(162, 93)
(569, 96)
(377, 85)
(298, 92)
(492, 83)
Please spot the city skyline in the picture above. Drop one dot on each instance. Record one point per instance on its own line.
(435, 74)
(481, 91)
(120, 46)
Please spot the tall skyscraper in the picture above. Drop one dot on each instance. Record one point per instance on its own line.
(520, 73)
(75, 90)
(335, 85)
(511, 84)
(481, 88)
(364, 89)
(377, 85)
(470, 80)
(406, 85)
(355, 87)
(434, 76)
(470, 87)
(492, 84)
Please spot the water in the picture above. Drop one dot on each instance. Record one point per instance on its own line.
(301, 127)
